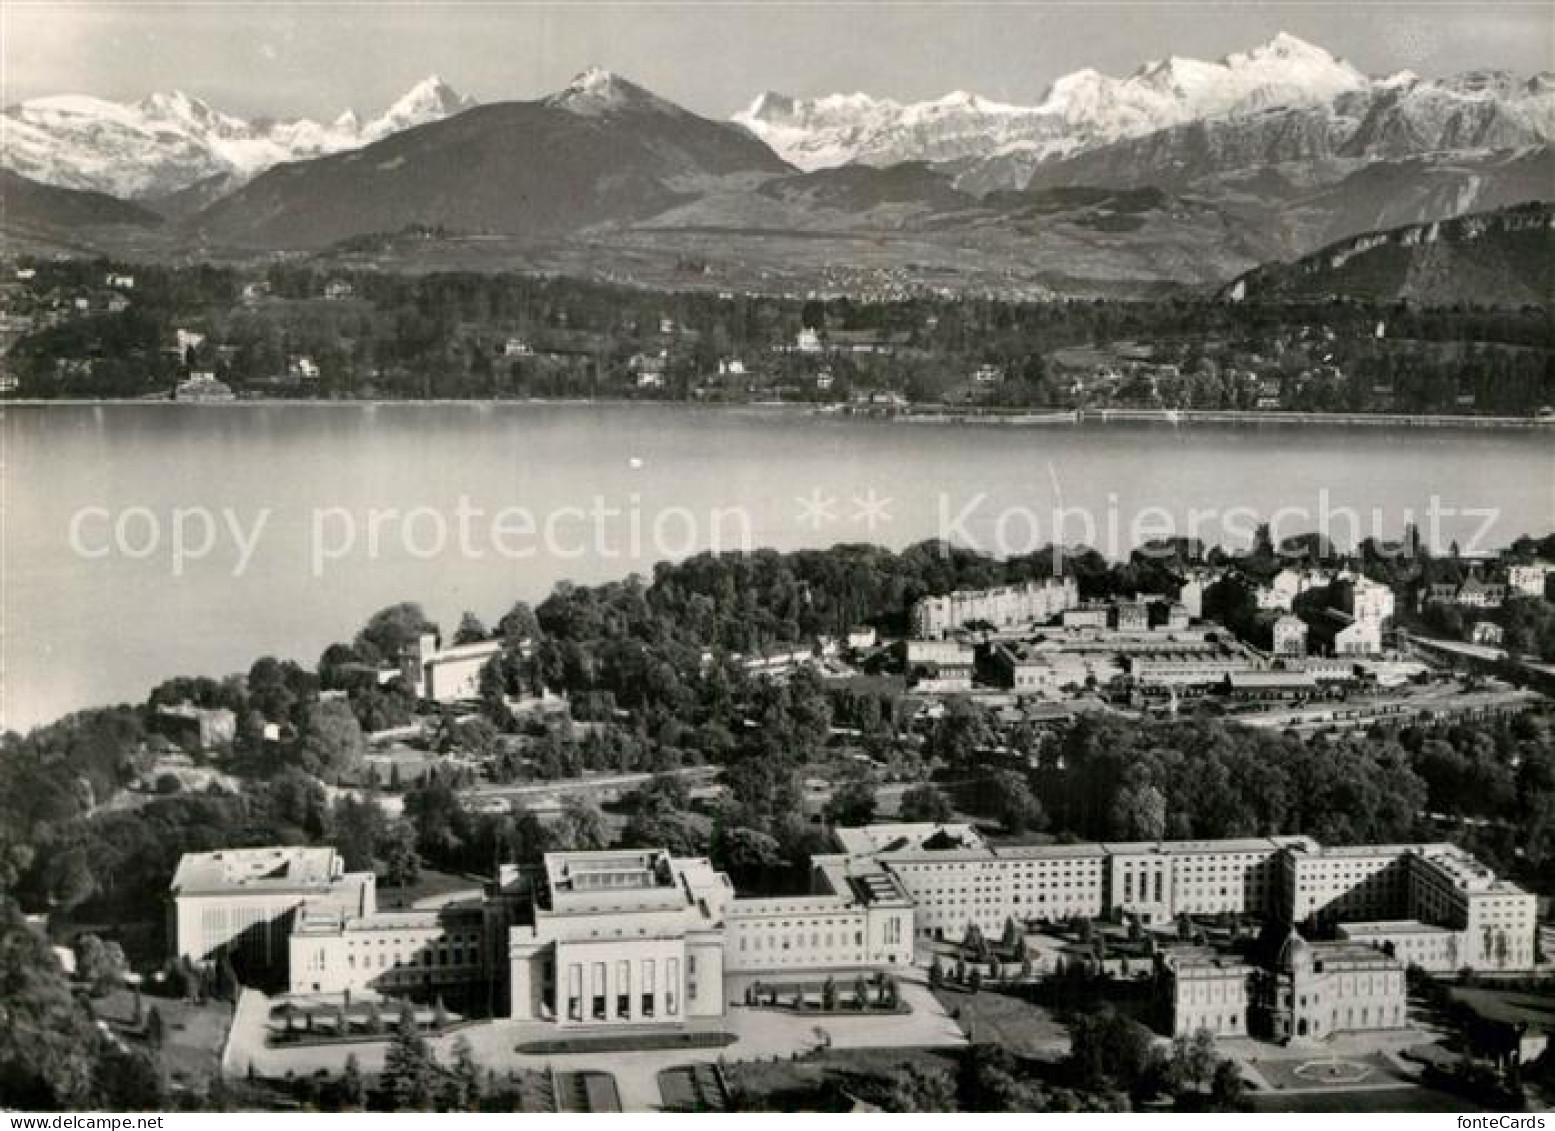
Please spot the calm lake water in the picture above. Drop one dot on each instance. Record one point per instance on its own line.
(288, 541)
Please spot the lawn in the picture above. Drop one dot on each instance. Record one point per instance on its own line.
(793, 1084)
(1306, 1073)
(430, 883)
(192, 1035)
(1026, 1029)
(628, 1042)
(1361, 1100)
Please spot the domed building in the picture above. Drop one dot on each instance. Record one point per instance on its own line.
(1290, 989)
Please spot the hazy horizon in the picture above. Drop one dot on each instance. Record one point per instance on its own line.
(316, 60)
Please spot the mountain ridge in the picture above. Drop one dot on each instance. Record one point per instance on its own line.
(170, 141)
(1086, 109)
(1504, 257)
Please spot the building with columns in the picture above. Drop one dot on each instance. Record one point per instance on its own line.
(639, 936)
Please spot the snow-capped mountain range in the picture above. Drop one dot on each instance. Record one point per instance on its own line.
(1087, 110)
(166, 143)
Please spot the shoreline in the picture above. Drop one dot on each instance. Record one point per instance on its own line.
(923, 414)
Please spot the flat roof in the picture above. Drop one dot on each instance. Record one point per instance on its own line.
(276, 869)
(1254, 680)
(1380, 927)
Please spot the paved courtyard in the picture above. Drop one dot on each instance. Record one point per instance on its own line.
(759, 1035)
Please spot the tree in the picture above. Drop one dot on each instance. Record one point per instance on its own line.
(581, 826)
(925, 802)
(1193, 1060)
(101, 965)
(1227, 1087)
(154, 1029)
(748, 855)
(852, 804)
(390, 630)
(1016, 806)
(462, 1088)
(408, 1068)
(359, 826)
(48, 1044)
(916, 1089)
(470, 630)
(331, 745)
(401, 860)
(1139, 813)
(353, 1089)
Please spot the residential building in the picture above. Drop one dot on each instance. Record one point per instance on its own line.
(338, 289)
(1365, 599)
(808, 341)
(1338, 634)
(445, 675)
(196, 729)
(1091, 615)
(1022, 669)
(1528, 580)
(1487, 633)
(862, 637)
(1130, 616)
(203, 386)
(1476, 593)
(1289, 636)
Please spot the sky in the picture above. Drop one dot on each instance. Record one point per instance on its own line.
(318, 58)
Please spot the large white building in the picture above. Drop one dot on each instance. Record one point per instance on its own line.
(245, 901)
(635, 936)
(955, 878)
(1007, 606)
(1303, 991)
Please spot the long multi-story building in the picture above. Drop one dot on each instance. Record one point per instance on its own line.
(633, 936)
(957, 879)
(1007, 606)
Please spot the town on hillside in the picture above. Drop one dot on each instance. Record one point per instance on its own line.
(1200, 829)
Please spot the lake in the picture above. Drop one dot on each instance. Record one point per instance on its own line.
(143, 541)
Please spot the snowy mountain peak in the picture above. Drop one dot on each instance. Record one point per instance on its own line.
(598, 91)
(1287, 46)
(170, 140)
(430, 100)
(1079, 111)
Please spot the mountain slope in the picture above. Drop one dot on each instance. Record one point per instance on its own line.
(168, 142)
(601, 151)
(27, 204)
(1503, 258)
